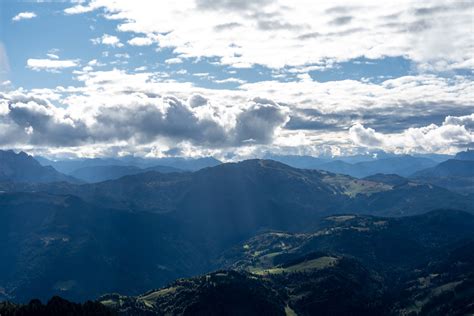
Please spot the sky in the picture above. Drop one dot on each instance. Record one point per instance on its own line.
(236, 78)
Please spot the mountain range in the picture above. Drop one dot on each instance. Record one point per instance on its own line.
(23, 168)
(111, 172)
(283, 240)
(452, 172)
(361, 166)
(68, 166)
(456, 175)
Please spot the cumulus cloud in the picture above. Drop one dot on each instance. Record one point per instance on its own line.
(136, 118)
(35, 121)
(50, 64)
(365, 136)
(45, 124)
(168, 117)
(197, 100)
(466, 121)
(449, 137)
(24, 16)
(258, 123)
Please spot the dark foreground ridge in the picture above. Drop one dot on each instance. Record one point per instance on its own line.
(56, 306)
(351, 265)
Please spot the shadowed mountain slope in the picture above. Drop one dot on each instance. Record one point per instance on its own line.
(24, 168)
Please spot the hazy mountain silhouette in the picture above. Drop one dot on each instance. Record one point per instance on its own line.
(456, 175)
(112, 172)
(24, 168)
(69, 166)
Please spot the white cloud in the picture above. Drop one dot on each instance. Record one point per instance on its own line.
(50, 64)
(446, 138)
(404, 95)
(231, 80)
(175, 60)
(140, 41)
(78, 9)
(52, 56)
(107, 39)
(24, 16)
(365, 136)
(302, 33)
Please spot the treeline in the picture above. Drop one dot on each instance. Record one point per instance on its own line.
(56, 306)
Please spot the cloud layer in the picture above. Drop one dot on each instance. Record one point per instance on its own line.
(280, 34)
(115, 109)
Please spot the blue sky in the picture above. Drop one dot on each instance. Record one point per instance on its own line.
(69, 37)
(239, 77)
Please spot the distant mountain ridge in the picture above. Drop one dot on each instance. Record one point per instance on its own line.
(465, 155)
(24, 168)
(360, 167)
(69, 166)
(449, 168)
(111, 172)
(454, 174)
